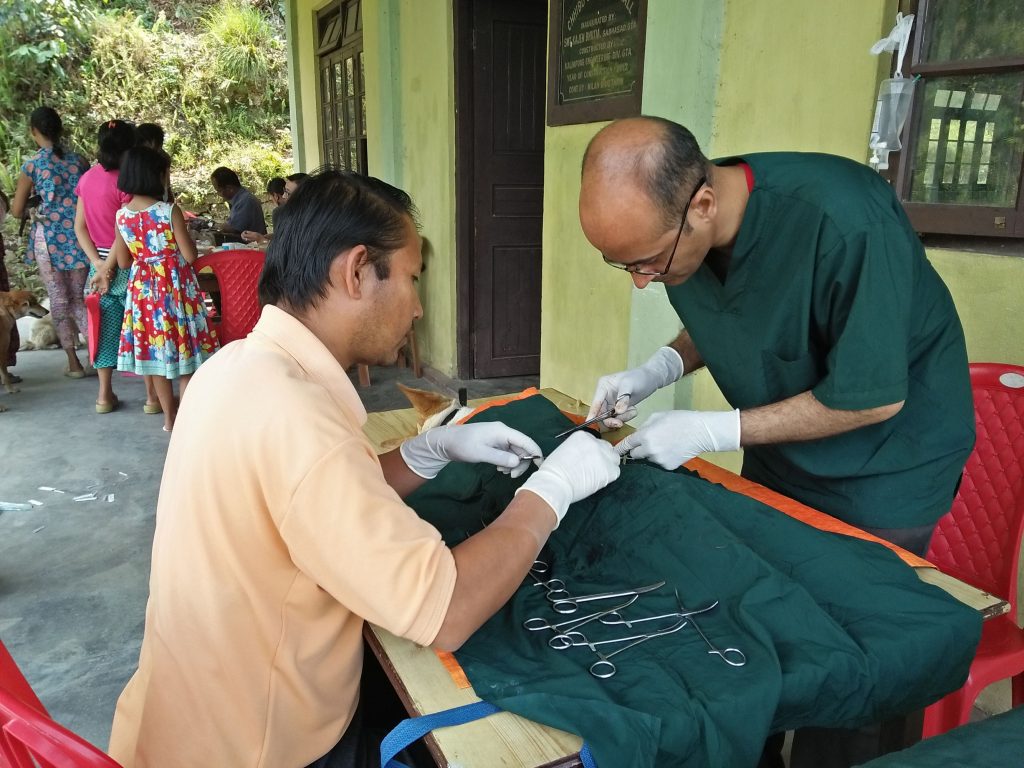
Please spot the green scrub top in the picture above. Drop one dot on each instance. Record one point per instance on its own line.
(829, 290)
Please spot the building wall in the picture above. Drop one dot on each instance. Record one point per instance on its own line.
(410, 116)
(743, 75)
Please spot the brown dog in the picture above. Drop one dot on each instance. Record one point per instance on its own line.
(13, 304)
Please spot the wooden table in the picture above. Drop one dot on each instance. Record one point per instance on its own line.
(425, 685)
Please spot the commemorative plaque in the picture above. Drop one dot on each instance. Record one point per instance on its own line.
(597, 60)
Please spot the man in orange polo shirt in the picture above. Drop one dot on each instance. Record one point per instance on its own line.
(279, 531)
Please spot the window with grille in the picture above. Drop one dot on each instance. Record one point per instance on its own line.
(341, 85)
(960, 168)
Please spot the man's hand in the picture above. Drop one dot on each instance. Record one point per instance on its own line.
(252, 237)
(671, 438)
(484, 443)
(580, 466)
(623, 391)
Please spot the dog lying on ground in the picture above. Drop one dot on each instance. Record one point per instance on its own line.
(37, 332)
(13, 305)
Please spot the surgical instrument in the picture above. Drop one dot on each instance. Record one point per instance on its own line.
(537, 623)
(614, 618)
(603, 668)
(600, 417)
(724, 653)
(569, 604)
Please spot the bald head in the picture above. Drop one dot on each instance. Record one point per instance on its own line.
(650, 156)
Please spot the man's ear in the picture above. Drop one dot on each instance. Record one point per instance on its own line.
(347, 272)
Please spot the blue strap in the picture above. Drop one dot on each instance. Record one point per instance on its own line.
(413, 728)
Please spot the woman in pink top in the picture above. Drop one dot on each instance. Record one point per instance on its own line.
(98, 202)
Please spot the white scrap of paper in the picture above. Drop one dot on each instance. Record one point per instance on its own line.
(110, 497)
(86, 497)
(46, 488)
(37, 530)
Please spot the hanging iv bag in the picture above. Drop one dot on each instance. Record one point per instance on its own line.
(895, 96)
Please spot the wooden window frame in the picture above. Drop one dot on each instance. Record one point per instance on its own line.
(941, 218)
(340, 37)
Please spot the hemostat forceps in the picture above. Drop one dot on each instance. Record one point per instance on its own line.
(563, 602)
(603, 668)
(734, 657)
(566, 631)
(600, 417)
(614, 618)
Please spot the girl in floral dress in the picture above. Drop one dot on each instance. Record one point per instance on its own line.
(164, 334)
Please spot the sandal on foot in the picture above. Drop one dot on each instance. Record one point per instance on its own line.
(152, 408)
(15, 378)
(108, 407)
(79, 374)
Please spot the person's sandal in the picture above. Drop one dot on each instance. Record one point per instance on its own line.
(108, 407)
(79, 374)
(152, 408)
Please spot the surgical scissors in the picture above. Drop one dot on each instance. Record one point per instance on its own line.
(723, 653)
(563, 602)
(603, 668)
(614, 618)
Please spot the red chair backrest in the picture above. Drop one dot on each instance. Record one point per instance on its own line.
(979, 541)
(29, 738)
(14, 682)
(238, 273)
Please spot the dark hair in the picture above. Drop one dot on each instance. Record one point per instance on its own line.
(48, 123)
(669, 168)
(150, 135)
(298, 178)
(142, 172)
(115, 137)
(330, 213)
(225, 177)
(275, 186)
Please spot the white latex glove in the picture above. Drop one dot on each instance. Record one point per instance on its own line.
(671, 438)
(626, 389)
(489, 442)
(580, 466)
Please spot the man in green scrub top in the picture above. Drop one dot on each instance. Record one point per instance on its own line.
(803, 288)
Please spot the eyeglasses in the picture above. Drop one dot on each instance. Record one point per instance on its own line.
(641, 268)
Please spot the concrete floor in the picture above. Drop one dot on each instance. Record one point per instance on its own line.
(73, 575)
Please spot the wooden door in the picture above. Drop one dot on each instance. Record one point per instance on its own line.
(501, 309)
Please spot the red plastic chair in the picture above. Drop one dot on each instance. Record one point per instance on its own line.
(14, 682)
(29, 738)
(979, 541)
(238, 272)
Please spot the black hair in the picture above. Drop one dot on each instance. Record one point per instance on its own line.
(115, 137)
(668, 169)
(298, 178)
(142, 172)
(225, 177)
(150, 135)
(330, 213)
(48, 123)
(275, 186)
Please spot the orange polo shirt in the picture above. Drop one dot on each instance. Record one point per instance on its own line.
(276, 537)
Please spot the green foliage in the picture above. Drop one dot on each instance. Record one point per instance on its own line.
(213, 73)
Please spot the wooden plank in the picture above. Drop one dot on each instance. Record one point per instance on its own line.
(504, 739)
(988, 605)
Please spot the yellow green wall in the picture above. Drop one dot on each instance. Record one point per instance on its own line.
(743, 75)
(410, 120)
